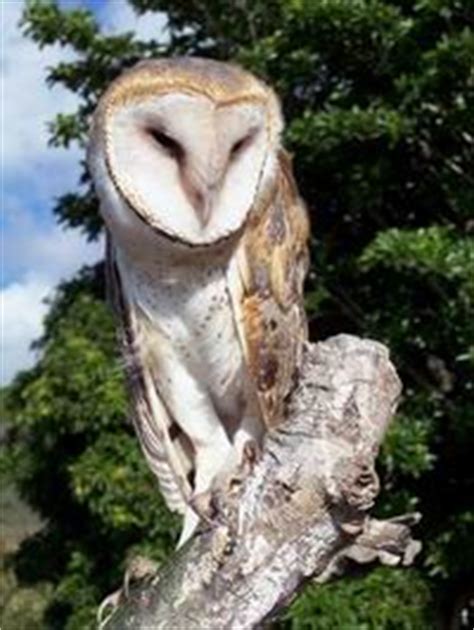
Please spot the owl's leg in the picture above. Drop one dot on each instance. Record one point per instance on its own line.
(211, 463)
(193, 410)
(219, 461)
(213, 449)
(209, 467)
(191, 406)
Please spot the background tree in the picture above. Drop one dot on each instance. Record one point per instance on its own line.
(378, 96)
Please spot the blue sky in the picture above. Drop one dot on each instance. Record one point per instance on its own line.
(36, 253)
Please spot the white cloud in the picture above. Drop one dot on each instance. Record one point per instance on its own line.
(48, 249)
(23, 310)
(28, 105)
(44, 256)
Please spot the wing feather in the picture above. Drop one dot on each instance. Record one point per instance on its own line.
(267, 292)
(163, 443)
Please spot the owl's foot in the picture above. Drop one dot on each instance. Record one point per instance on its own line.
(251, 455)
(203, 504)
(200, 510)
(230, 480)
(247, 441)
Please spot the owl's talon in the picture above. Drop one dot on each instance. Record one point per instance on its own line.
(203, 504)
(252, 454)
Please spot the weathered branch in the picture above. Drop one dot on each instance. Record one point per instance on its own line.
(300, 513)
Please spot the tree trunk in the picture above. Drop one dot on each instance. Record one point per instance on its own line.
(299, 512)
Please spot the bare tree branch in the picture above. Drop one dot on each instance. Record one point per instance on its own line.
(299, 513)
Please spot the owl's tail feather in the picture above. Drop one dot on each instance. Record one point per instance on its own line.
(166, 455)
(191, 521)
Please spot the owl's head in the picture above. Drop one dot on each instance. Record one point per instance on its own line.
(184, 146)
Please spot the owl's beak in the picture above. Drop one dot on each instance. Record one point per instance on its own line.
(204, 200)
(205, 211)
(204, 184)
(204, 205)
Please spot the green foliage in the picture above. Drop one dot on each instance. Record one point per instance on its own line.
(407, 447)
(451, 551)
(386, 598)
(46, 24)
(378, 96)
(110, 479)
(433, 250)
(21, 608)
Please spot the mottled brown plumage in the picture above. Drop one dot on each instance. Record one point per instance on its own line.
(273, 262)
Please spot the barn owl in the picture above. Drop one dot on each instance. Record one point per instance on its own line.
(206, 257)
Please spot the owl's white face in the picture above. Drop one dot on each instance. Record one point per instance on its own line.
(186, 163)
(189, 168)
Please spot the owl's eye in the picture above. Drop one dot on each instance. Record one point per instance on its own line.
(241, 144)
(238, 146)
(165, 141)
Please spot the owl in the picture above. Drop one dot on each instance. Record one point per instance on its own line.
(206, 258)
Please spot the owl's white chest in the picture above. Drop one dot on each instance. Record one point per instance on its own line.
(198, 353)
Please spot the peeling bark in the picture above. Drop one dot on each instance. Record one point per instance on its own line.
(299, 513)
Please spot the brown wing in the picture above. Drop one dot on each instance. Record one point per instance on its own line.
(272, 262)
(162, 442)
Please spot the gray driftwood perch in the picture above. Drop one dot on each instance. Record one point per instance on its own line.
(300, 513)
